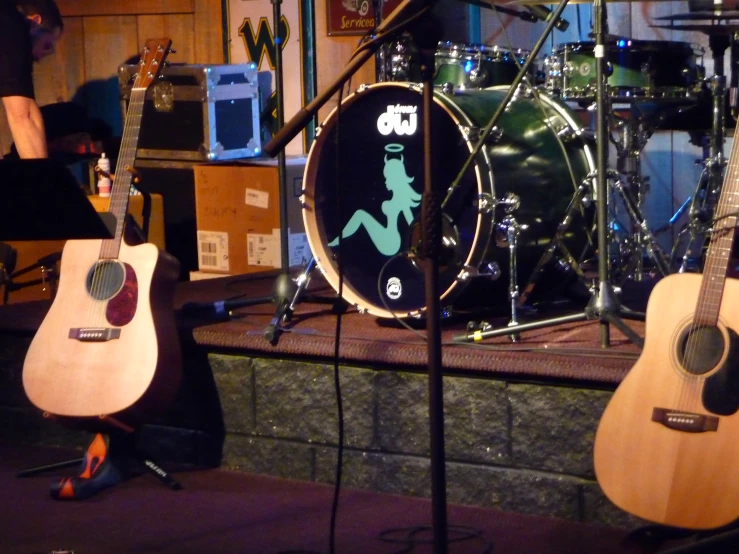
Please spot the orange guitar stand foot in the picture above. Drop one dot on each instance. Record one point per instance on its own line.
(110, 459)
(101, 468)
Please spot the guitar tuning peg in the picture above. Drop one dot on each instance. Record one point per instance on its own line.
(171, 51)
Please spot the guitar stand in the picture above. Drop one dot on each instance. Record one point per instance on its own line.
(724, 540)
(110, 459)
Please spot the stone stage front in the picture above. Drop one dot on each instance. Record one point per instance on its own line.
(520, 418)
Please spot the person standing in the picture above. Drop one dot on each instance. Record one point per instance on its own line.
(29, 32)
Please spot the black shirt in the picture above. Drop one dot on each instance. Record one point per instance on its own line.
(16, 57)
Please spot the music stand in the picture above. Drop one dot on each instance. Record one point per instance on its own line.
(40, 199)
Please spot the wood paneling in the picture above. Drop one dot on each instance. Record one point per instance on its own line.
(332, 54)
(177, 27)
(99, 36)
(209, 31)
(85, 8)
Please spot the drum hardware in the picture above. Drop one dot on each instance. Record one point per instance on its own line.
(568, 263)
(703, 201)
(632, 136)
(507, 234)
(604, 305)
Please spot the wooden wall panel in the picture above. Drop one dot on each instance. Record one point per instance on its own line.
(86, 8)
(208, 30)
(178, 27)
(332, 55)
(99, 36)
(113, 40)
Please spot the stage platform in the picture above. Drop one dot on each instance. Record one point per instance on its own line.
(520, 418)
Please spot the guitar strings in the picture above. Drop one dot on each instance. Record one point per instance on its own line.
(103, 279)
(712, 285)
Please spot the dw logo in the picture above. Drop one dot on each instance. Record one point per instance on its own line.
(393, 121)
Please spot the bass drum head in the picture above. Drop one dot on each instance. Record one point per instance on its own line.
(368, 190)
(371, 186)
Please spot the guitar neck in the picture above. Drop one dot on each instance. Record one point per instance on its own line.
(149, 67)
(721, 244)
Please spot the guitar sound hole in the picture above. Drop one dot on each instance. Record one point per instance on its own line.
(701, 349)
(105, 279)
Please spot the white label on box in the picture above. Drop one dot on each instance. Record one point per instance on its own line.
(299, 249)
(257, 198)
(213, 251)
(263, 249)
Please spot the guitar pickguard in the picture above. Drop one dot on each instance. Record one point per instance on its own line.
(122, 307)
(721, 389)
(712, 353)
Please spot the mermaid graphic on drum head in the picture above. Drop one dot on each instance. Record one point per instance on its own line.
(386, 238)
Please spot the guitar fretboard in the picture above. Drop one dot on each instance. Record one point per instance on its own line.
(720, 247)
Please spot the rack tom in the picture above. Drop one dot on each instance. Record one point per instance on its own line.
(638, 70)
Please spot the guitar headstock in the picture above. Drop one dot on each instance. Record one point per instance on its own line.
(152, 59)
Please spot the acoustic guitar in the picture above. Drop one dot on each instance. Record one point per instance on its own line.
(109, 343)
(667, 446)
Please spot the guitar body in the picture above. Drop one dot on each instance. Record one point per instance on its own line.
(109, 342)
(660, 453)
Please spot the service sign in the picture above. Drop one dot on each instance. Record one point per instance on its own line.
(252, 36)
(355, 17)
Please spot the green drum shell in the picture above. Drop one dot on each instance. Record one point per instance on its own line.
(476, 66)
(528, 161)
(642, 70)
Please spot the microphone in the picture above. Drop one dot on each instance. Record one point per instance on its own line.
(544, 14)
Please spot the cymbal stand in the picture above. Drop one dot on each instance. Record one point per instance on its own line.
(709, 185)
(631, 137)
(706, 194)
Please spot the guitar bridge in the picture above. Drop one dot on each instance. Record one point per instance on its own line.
(94, 334)
(685, 421)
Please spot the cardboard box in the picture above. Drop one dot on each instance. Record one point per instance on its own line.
(237, 209)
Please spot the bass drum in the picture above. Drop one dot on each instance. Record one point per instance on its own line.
(364, 179)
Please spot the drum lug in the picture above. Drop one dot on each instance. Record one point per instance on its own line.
(489, 270)
(472, 134)
(447, 88)
(510, 203)
(486, 203)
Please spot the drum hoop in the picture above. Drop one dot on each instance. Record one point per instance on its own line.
(318, 249)
(636, 46)
(459, 49)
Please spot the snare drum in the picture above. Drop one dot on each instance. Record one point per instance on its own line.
(379, 179)
(639, 70)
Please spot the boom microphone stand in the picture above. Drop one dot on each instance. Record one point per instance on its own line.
(430, 233)
(285, 288)
(604, 304)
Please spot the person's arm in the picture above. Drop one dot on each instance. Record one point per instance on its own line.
(27, 126)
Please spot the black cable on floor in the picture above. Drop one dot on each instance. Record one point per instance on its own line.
(410, 537)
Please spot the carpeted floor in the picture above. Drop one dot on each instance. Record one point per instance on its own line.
(222, 512)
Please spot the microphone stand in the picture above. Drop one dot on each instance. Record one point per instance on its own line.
(285, 288)
(430, 233)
